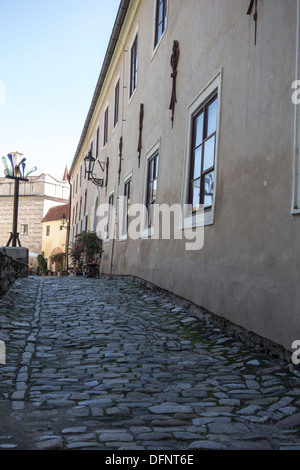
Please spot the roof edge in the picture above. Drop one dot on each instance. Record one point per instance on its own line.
(123, 8)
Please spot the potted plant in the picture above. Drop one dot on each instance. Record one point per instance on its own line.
(86, 248)
(58, 259)
(43, 269)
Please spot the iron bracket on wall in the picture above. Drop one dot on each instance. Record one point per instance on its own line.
(253, 3)
(140, 132)
(174, 64)
(120, 158)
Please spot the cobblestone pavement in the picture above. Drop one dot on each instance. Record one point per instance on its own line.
(108, 364)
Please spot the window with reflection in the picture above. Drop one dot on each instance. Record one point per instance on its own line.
(127, 195)
(117, 97)
(160, 19)
(151, 188)
(105, 133)
(110, 216)
(202, 170)
(133, 65)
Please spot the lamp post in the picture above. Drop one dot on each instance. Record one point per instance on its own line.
(16, 173)
(89, 162)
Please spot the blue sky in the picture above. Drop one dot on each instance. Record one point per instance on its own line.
(51, 54)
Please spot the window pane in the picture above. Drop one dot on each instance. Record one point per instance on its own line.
(212, 117)
(159, 30)
(196, 194)
(151, 164)
(198, 130)
(154, 188)
(197, 162)
(209, 153)
(155, 167)
(209, 188)
(150, 214)
(160, 12)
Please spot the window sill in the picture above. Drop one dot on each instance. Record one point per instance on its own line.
(295, 211)
(147, 232)
(132, 95)
(123, 238)
(199, 219)
(158, 44)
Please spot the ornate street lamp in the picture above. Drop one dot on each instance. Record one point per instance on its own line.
(89, 162)
(64, 221)
(16, 172)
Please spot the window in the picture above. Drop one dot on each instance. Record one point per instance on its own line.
(116, 111)
(160, 19)
(202, 169)
(110, 216)
(97, 143)
(151, 188)
(24, 230)
(80, 205)
(95, 219)
(133, 66)
(201, 156)
(105, 127)
(127, 195)
(48, 231)
(85, 199)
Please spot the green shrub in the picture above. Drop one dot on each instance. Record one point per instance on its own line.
(42, 264)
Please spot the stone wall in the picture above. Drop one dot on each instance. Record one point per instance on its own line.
(13, 265)
(30, 213)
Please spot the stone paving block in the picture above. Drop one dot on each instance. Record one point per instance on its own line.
(114, 435)
(228, 428)
(207, 445)
(170, 408)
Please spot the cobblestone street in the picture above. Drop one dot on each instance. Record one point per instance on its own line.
(109, 364)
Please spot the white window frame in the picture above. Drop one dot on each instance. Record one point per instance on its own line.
(134, 35)
(94, 217)
(118, 79)
(155, 47)
(104, 145)
(110, 226)
(207, 218)
(147, 231)
(123, 234)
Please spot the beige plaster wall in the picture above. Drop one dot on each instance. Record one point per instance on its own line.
(56, 240)
(248, 270)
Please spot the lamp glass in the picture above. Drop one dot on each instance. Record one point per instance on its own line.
(89, 162)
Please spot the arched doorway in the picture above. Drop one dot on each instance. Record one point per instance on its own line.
(53, 266)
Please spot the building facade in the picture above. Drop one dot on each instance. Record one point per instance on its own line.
(195, 112)
(55, 235)
(35, 199)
